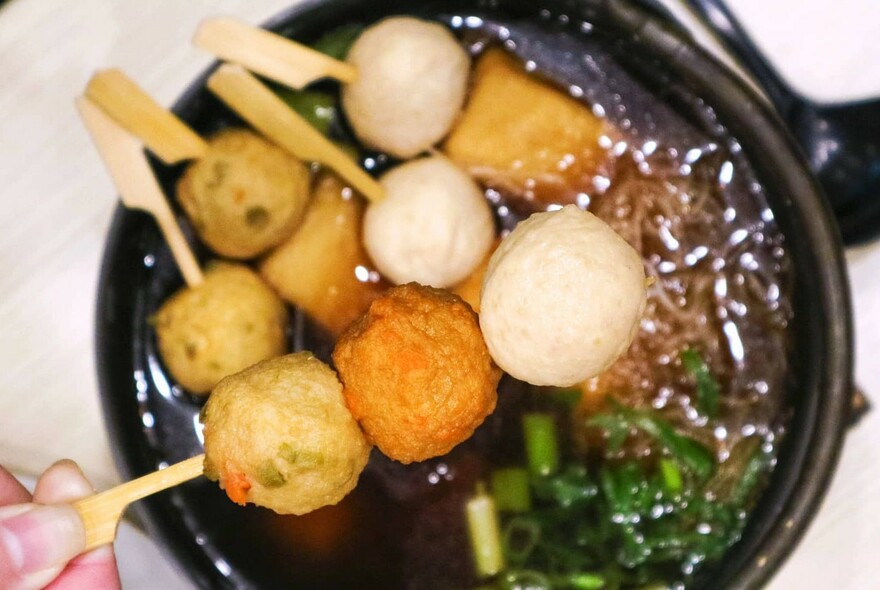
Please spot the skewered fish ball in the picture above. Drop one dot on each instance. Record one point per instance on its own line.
(433, 227)
(279, 435)
(225, 324)
(245, 195)
(411, 85)
(562, 298)
(416, 372)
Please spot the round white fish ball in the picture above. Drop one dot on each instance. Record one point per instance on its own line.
(411, 84)
(562, 298)
(433, 227)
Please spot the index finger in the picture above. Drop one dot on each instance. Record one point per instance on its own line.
(11, 491)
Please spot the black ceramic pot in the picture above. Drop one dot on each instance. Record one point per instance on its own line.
(150, 422)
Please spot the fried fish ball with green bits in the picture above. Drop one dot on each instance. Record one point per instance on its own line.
(245, 195)
(227, 323)
(279, 435)
(417, 375)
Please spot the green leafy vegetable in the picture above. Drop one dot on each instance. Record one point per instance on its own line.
(751, 475)
(567, 397)
(572, 486)
(687, 452)
(318, 108)
(616, 427)
(708, 389)
(337, 42)
(624, 522)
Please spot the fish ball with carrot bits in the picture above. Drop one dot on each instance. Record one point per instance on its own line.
(411, 84)
(227, 323)
(245, 195)
(279, 435)
(562, 298)
(416, 373)
(433, 227)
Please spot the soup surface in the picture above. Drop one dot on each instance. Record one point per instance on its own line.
(657, 461)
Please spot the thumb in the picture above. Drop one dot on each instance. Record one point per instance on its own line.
(36, 541)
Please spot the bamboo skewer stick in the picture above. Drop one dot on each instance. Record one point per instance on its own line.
(101, 513)
(268, 54)
(131, 107)
(260, 107)
(125, 159)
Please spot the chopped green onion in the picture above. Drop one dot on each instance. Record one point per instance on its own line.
(510, 488)
(609, 488)
(692, 455)
(671, 475)
(541, 445)
(686, 451)
(616, 428)
(525, 580)
(585, 581)
(337, 42)
(521, 536)
(708, 388)
(569, 488)
(482, 519)
(750, 477)
(627, 478)
(565, 396)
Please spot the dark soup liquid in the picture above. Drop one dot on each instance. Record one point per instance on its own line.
(657, 460)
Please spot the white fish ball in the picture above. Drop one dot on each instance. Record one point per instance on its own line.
(562, 298)
(411, 85)
(433, 227)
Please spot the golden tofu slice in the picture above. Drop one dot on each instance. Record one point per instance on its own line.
(525, 137)
(323, 268)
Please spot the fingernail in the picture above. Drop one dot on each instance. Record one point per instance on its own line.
(37, 537)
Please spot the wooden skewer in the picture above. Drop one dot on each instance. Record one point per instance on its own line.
(268, 54)
(260, 107)
(124, 157)
(101, 513)
(161, 131)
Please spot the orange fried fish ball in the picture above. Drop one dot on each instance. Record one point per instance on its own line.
(416, 372)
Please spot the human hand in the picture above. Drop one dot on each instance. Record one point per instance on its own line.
(41, 536)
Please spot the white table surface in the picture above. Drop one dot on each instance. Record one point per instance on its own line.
(57, 201)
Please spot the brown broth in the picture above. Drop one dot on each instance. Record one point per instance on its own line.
(685, 197)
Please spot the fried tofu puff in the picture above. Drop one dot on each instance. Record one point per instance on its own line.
(279, 435)
(245, 195)
(323, 268)
(417, 375)
(225, 324)
(524, 136)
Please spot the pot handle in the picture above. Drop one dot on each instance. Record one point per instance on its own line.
(860, 405)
